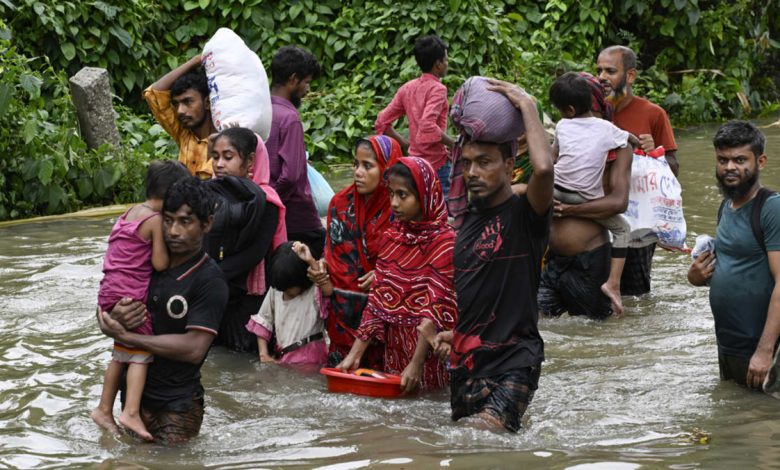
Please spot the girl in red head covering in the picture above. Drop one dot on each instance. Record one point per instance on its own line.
(413, 295)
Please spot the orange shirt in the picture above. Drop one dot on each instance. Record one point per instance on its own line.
(643, 117)
(193, 152)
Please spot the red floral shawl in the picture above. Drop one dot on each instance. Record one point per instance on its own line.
(354, 228)
(414, 271)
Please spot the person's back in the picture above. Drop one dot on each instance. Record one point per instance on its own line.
(423, 101)
(292, 70)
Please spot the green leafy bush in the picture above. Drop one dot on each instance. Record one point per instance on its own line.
(45, 167)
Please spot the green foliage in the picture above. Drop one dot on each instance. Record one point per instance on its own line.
(702, 60)
(45, 167)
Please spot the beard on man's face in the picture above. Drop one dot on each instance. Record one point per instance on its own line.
(295, 99)
(741, 189)
(619, 91)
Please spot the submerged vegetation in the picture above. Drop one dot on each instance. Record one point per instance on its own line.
(702, 60)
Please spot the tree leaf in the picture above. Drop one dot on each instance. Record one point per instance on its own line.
(123, 36)
(45, 170)
(6, 93)
(29, 130)
(68, 50)
(31, 84)
(203, 4)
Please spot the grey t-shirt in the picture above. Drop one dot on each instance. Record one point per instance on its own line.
(742, 284)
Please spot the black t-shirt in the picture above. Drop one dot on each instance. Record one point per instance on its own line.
(190, 296)
(498, 255)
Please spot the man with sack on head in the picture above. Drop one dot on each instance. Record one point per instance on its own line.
(179, 101)
(743, 275)
(617, 71)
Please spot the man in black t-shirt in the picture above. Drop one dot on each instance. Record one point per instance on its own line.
(496, 347)
(186, 303)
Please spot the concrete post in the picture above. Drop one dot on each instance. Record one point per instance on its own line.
(92, 97)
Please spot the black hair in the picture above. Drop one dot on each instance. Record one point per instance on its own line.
(628, 56)
(286, 269)
(571, 89)
(402, 171)
(363, 143)
(735, 134)
(290, 60)
(161, 175)
(507, 149)
(192, 192)
(243, 139)
(192, 80)
(428, 50)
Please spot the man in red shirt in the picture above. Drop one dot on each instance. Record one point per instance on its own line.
(616, 70)
(424, 102)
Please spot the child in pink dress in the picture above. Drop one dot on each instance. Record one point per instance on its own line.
(293, 309)
(135, 248)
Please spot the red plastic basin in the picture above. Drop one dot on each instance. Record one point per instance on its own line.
(378, 384)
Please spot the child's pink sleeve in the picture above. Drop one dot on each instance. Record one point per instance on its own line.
(322, 302)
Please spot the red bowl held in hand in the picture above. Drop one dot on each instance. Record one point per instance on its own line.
(366, 382)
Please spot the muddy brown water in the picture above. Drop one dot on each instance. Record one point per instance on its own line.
(620, 394)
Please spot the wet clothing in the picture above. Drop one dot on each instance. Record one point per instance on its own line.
(424, 102)
(189, 296)
(193, 152)
(240, 237)
(287, 158)
(175, 427)
(413, 280)
(355, 225)
(637, 270)
(742, 284)
(733, 368)
(505, 397)
(127, 268)
(498, 256)
(573, 284)
(294, 320)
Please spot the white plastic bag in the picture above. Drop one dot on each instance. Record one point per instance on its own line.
(655, 210)
(238, 84)
(321, 191)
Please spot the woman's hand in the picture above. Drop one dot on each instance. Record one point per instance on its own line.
(365, 281)
(350, 363)
(318, 273)
(442, 345)
(410, 378)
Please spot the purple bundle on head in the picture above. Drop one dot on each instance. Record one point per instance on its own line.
(485, 116)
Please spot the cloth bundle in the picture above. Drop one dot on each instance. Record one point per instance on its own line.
(484, 116)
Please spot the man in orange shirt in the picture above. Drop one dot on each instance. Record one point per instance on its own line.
(616, 71)
(179, 101)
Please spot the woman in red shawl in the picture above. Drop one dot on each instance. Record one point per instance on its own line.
(413, 295)
(357, 216)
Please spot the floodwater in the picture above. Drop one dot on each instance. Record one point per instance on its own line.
(621, 394)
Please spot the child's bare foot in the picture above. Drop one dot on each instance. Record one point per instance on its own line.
(105, 420)
(614, 297)
(134, 423)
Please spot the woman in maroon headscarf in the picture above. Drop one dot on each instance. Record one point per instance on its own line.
(357, 216)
